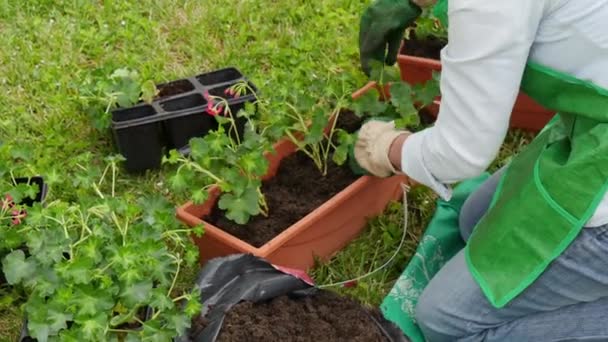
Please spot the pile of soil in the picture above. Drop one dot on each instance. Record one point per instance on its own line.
(428, 48)
(324, 317)
(296, 190)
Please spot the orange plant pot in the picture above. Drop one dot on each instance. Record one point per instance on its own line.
(527, 114)
(320, 234)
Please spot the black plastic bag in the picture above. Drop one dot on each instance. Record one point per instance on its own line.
(225, 282)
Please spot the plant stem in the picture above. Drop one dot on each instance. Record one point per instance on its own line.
(113, 177)
(300, 145)
(179, 263)
(263, 204)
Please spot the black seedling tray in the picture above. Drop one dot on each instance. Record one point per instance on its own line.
(177, 115)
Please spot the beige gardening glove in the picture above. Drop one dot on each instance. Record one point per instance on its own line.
(373, 145)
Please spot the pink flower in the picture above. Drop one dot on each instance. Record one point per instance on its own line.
(228, 91)
(206, 95)
(17, 216)
(213, 111)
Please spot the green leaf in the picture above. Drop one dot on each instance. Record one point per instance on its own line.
(407, 121)
(160, 301)
(89, 300)
(376, 71)
(178, 182)
(425, 93)
(401, 98)
(16, 268)
(69, 336)
(369, 104)
(137, 293)
(180, 323)
(148, 91)
(199, 196)
(346, 142)
(93, 327)
(341, 154)
(315, 131)
(192, 253)
(152, 332)
(240, 208)
(193, 306)
(39, 330)
(58, 320)
(198, 230)
(123, 318)
(254, 164)
(174, 156)
(92, 249)
(77, 270)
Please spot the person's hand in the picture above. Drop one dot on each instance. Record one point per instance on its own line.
(373, 146)
(382, 27)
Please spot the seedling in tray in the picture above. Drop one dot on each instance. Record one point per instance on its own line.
(226, 158)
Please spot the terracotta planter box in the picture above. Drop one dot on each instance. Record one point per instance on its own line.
(527, 114)
(320, 234)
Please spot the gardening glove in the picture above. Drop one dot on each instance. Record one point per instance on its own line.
(382, 27)
(373, 145)
(352, 161)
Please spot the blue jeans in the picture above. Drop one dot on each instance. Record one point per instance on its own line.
(568, 302)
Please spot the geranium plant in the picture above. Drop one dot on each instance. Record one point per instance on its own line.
(104, 269)
(402, 103)
(404, 100)
(122, 88)
(312, 131)
(224, 158)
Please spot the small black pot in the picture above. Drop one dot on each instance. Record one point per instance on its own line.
(143, 132)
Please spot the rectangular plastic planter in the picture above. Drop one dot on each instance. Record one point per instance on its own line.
(320, 234)
(178, 114)
(527, 114)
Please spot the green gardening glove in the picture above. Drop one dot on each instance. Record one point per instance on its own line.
(381, 30)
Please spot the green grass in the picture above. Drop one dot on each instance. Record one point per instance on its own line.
(54, 50)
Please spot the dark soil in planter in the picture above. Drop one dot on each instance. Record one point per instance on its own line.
(348, 121)
(174, 88)
(428, 48)
(296, 190)
(324, 317)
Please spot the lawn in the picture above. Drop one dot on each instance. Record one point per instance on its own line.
(55, 51)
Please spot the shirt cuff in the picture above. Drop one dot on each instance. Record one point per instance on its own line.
(413, 165)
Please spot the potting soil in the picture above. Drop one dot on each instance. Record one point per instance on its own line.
(296, 190)
(174, 88)
(324, 317)
(427, 48)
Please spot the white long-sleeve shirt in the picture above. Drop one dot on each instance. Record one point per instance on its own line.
(489, 45)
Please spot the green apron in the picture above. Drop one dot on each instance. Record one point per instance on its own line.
(549, 191)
